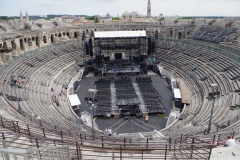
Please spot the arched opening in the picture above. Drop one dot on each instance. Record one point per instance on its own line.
(60, 35)
(37, 41)
(13, 45)
(45, 39)
(56, 35)
(4, 45)
(91, 33)
(67, 34)
(179, 35)
(95, 29)
(52, 38)
(33, 38)
(1, 45)
(25, 40)
(87, 30)
(21, 44)
(29, 40)
(171, 32)
(75, 35)
(64, 34)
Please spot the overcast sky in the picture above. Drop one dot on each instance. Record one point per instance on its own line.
(114, 7)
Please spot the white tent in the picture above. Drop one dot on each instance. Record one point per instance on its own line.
(74, 100)
(177, 93)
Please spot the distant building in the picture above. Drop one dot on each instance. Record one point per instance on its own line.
(149, 9)
(21, 17)
(108, 15)
(127, 16)
(171, 17)
(141, 20)
(104, 19)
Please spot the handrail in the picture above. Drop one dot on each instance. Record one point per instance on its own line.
(25, 153)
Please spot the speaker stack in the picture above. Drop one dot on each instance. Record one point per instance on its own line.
(153, 46)
(149, 46)
(86, 48)
(156, 34)
(90, 47)
(99, 59)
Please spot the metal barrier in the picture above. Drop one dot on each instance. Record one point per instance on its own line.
(61, 152)
(84, 146)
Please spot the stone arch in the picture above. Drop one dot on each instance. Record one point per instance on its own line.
(75, 34)
(13, 44)
(56, 35)
(91, 33)
(21, 41)
(52, 38)
(29, 40)
(95, 29)
(4, 45)
(67, 34)
(171, 33)
(179, 35)
(37, 41)
(45, 39)
(59, 34)
(25, 40)
(64, 34)
(33, 38)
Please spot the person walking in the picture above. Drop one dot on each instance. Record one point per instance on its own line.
(110, 132)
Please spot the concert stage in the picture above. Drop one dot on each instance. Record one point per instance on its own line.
(119, 67)
(134, 123)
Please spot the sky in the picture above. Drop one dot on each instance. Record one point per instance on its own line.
(115, 7)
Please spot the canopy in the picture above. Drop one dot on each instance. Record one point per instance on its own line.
(74, 100)
(121, 102)
(133, 101)
(119, 34)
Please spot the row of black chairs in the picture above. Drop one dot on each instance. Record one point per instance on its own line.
(150, 95)
(103, 95)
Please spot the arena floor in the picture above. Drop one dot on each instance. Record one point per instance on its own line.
(133, 125)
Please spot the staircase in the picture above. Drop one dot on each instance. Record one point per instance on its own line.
(113, 94)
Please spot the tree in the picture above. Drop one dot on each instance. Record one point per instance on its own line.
(90, 18)
(161, 19)
(96, 19)
(116, 18)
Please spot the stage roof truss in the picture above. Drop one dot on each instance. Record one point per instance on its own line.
(119, 34)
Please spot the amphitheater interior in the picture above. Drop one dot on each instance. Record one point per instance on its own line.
(48, 57)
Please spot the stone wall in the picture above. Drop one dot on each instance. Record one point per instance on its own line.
(26, 40)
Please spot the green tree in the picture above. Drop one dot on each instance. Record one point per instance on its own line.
(116, 18)
(96, 19)
(160, 19)
(90, 18)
